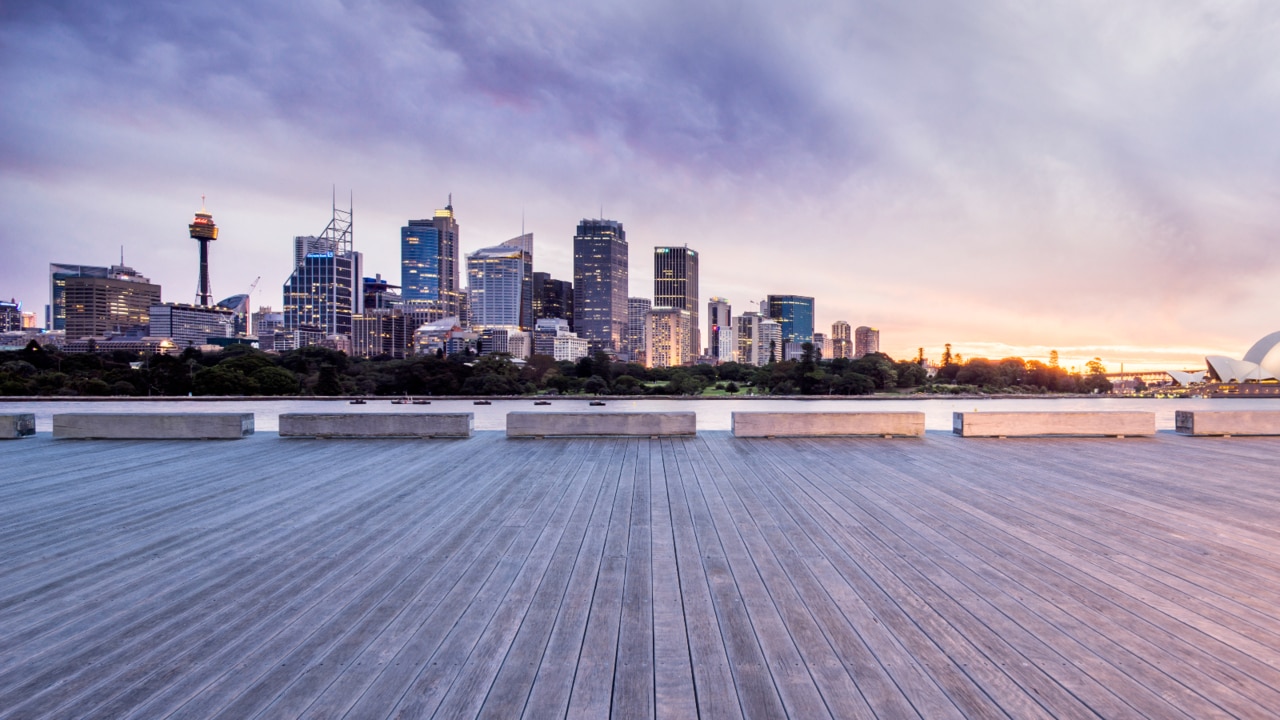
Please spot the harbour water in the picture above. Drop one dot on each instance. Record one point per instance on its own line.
(712, 414)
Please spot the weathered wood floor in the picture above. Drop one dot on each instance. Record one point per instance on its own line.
(712, 577)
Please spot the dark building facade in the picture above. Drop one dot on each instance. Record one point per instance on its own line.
(795, 314)
(600, 279)
(552, 298)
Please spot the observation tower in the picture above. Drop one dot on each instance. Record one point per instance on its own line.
(203, 231)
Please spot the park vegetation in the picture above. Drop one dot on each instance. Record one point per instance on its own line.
(317, 371)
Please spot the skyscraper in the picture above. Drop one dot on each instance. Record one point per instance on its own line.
(429, 265)
(524, 243)
(119, 304)
(795, 314)
(634, 343)
(325, 290)
(58, 274)
(600, 283)
(667, 339)
(496, 284)
(552, 298)
(675, 285)
(719, 329)
(866, 341)
(841, 340)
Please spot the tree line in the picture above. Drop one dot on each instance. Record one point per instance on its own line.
(317, 371)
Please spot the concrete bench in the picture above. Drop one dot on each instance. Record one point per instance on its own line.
(153, 426)
(377, 425)
(1227, 422)
(822, 424)
(1031, 424)
(588, 424)
(17, 425)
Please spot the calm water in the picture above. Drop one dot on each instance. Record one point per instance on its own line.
(712, 414)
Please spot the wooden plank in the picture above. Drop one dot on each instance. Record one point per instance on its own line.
(674, 694)
(553, 684)
(592, 693)
(714, 682)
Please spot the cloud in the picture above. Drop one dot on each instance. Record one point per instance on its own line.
(985, 170)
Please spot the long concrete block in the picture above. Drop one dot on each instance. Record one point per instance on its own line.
(588, 424)
(153, 426)
(823, 424)
(17, 425)
(375, 425)
(1031, 424)
(1227, 422)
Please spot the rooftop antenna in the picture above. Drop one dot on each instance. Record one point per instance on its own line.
(450, 205)
(122, 250)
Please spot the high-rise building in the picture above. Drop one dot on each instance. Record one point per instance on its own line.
(552, 298)
(429, 265)
(675, 285)
(634, 341)
(324, 292)
(720, 344)
(524, 243)
(758, 339)
(380, 294)
(795, 314)
(667, 341)
(600, 283)
(822, 346)
(191, 325)
(58, 274)
(496, 285)
(841, 341)
(866, 341)
(382, 332)
(770, 344)
(10, 316)
(119, 304)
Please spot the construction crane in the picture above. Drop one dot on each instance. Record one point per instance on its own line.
(248, 309)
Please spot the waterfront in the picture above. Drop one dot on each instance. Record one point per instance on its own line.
(713, 414)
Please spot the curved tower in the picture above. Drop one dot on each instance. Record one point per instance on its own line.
(203, 231)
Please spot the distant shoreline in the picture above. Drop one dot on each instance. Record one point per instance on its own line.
(562, 398)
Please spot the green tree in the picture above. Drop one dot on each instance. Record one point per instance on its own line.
(275, 381)
(328, 382)
(218, 380)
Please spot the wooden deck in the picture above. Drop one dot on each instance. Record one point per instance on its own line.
(710, 576)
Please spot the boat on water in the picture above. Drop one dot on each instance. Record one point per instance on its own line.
(421, 402)
(596, 403)
(541, 402)
(481, 402)
(358, 401)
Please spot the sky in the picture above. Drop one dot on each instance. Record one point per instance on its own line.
(1009, 177)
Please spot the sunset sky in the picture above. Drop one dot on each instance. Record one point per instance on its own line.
(1010, 177)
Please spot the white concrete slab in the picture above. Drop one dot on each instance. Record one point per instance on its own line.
(374, 425)
(17, 425)
(153, 426)
(824, 424)
(1033, 424)
(1227, 422)
(589, 424)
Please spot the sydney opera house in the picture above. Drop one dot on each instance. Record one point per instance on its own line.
(1261, 363)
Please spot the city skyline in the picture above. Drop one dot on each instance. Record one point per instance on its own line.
(1096, 181)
